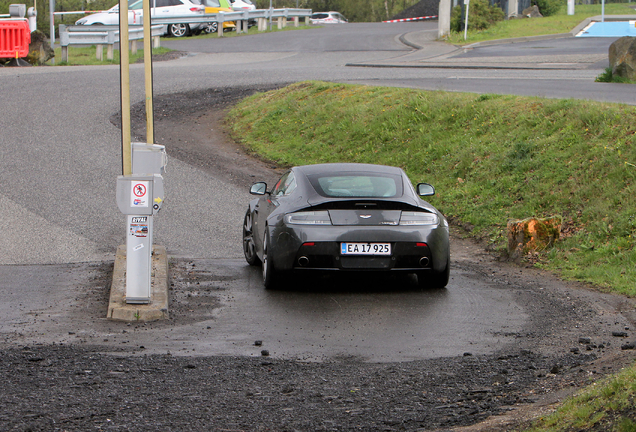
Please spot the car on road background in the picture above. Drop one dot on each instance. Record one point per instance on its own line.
(159, 9)
(346, 217)
(241, 5)
(215, 6)
(327, 18)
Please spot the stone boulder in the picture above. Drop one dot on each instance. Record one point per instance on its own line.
(622, 57)
(39, 50)
(532, 235)
(532, 12)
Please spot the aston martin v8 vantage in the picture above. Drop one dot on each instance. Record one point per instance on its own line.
(346, 217)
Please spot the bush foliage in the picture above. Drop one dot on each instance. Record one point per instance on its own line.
(481, 15)
(548, 7)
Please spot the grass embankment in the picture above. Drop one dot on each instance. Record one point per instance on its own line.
(559, 23)
(605, 406)
(491, 158)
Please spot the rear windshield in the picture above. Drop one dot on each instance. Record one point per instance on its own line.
(357, 185)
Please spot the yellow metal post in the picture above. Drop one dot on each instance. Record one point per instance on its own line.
(124, 68)
(150, 132)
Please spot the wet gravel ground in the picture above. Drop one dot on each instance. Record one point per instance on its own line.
(94, 386)
(79, 388)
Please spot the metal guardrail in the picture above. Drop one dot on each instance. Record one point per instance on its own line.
(109, 35)
(103, 35)
(260, 15)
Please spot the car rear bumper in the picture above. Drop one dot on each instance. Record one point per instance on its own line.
(318, 248)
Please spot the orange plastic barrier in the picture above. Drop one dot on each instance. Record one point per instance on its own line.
(15, 37)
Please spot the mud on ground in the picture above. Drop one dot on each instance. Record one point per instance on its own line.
(80, 386)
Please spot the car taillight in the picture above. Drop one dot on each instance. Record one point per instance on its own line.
(196, 9)
(308, 218)
(418, 218)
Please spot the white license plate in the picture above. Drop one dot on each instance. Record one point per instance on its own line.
(365, 248)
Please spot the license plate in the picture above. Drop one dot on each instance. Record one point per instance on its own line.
(365, 248)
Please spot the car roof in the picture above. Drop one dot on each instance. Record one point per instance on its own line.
(340, 168)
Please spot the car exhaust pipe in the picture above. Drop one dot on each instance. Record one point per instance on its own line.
(303, 261)
(424, 261)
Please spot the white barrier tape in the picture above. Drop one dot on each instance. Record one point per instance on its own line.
(411, 19)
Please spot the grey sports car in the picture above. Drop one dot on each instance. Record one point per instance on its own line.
(346, 217)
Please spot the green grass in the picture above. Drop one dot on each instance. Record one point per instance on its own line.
(608, 76)
(492, 158)
(607, 405)
(559, 23)
(86, 56)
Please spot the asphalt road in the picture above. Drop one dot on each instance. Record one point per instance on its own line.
(61, 155)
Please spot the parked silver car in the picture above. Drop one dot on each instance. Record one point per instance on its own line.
(327, 18)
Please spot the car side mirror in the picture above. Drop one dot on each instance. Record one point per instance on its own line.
(425, 189)
(259, 188)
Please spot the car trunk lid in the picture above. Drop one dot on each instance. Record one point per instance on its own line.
(365, 217)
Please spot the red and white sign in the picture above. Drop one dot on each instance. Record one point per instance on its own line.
(139, 195)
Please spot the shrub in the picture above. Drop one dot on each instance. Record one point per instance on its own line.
(481, 15)
(547, 7)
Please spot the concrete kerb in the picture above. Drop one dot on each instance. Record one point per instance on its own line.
(119, 310)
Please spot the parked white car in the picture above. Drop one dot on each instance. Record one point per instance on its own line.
(241, 5)
(159, 9)
(327, 18)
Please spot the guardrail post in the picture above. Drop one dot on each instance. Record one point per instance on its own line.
(296, 21)
(65, 54)
(219, 24)
(99, 52)
(306, 20)
(133, 47)
(262, 24)
(111, 46)
(156, 42)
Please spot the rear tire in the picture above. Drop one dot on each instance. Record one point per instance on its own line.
(270, 275)
(249, 246)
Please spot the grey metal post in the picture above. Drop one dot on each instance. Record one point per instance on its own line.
(467, 3)
(443, 23)
(52, 24)
(603, 11)
(513, 8)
